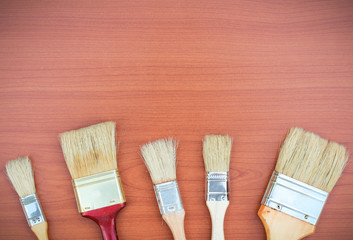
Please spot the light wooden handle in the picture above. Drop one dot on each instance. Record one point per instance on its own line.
(281, 226)
(175, 221)
(218, 211)
(41, 230)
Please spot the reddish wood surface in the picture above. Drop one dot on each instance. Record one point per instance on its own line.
(251, 69)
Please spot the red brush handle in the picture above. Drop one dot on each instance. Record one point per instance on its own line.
(105, 218)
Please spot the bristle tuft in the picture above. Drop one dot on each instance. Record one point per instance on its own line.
(20, 174)
(216, 152)
(311, 159)
(90, 150)
(160, 159)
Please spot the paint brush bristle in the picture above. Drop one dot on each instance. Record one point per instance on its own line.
(160, 159)
(20, 174)
(90, 150)
(216, 152)
(311, 159)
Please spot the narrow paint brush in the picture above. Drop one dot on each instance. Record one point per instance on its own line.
(216, 155)
(90, 155)
(160, 160)
(21, 176)
(307, 169)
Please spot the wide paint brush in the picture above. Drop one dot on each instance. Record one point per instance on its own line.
(307, 169)
(90, 155)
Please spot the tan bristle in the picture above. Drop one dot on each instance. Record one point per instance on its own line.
(216, 152)
(160, 159)
(20, 174)
(90, 150)
(311, 159)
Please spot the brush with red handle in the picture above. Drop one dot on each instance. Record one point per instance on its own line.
(90, 155)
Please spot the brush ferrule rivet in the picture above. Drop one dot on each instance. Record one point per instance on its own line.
(32, 209)
(217, 186)
(294, 198)
(168, 197)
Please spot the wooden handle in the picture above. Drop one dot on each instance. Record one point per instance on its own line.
(175, 221)
(218, 211)
(281, 226)
(105, 218)
(41, 230)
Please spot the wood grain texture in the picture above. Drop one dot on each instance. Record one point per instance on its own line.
(217, 211)
(41, 230)
(279, 225)
(175, 221)
(251, 69)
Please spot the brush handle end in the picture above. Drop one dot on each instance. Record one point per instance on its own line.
(281, 226)
(217, 210)
(41, 230)
(106, 219)
(175, 221)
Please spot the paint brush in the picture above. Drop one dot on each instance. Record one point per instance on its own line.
(307, 169)
(160, 159)
(21, 176)
(90, 155)
(216, 155)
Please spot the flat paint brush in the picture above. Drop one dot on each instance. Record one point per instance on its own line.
(307, 169)
(90, 155)
(160, 160)
(216, 155)
(21, 176)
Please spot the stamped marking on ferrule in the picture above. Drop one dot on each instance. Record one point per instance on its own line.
(32, 209)
(294, 198)
(99, 190)
(217, 186)
(168, 197)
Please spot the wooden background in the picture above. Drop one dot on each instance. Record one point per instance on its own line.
(251, 69)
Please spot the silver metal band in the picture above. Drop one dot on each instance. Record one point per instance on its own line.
(217, 188)
(294, 198)
(32, 209)
(168, 197)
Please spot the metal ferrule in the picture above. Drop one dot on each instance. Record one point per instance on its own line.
(217, 186)
(98, 191)
(294, 198)
(32, 209)
(168, 197)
